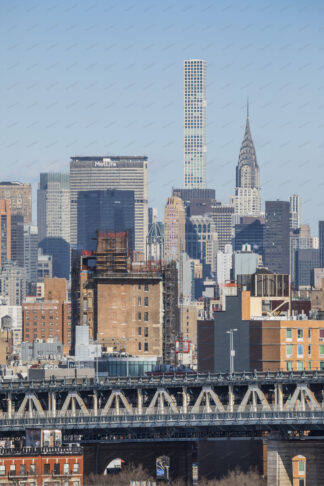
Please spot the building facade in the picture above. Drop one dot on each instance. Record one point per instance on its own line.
(5, 231)
(20, 196)
(13, 283)
(195, 104)
(277, 235)
(31, 256)
(296, 215)
(247, 192)
(202, 240)
(120, 173)
(222, 216)
(174, 228)
(249, 231)
(53, 206)
(107, 211)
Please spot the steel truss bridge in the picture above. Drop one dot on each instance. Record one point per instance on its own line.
(167, 407)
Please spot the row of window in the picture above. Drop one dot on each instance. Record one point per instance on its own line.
(300, 350)
(146, 316)
(300, 366)
(301, 333)
(146, 287)
(146, 301)
(22, 470)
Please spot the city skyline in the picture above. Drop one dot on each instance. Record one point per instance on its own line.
(67, 111)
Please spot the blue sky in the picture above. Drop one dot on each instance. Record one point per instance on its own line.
(106, 77)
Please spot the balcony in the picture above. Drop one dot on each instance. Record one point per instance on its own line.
(17, 475)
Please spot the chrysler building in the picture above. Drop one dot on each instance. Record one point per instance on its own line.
(247, 199)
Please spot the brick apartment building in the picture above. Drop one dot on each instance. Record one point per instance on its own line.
(51, 317)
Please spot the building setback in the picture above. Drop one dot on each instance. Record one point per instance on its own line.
(195, 104)
(121, 173)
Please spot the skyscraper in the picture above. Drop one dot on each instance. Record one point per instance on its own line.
(277, 233)
(195, 123)
(31, 256)
(321, 241)
(247, 192)
(174, 228)
(295, 211)
(107, 211)
(53, 206)
(122, 173)
(5, 231)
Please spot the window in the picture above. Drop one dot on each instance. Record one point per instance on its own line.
(66, 469)
(300, 351)
(145, 346)
(309, 365)
(146, 331)
(47, 469)
(288, 334)
(139, 286)
(2, 470)
(309, 351)
(301, 482)
(146, 316)
(321, 365)
(139, 316)
(33, 469)
(321, 349)
(309, 334)
(300, 366)
(140, 346)
(300, 334)
(321, 334)
(139, 301)
(289, 351)
(12, 469)
(76, 468)
(22, 469)
(289, 366)
(146, 301)
(146, 287)
(139, 331)
(301, 467)
(56, 469)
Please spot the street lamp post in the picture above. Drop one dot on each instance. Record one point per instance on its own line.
(232, 351)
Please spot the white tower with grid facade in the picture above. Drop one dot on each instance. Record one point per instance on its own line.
(195, 123)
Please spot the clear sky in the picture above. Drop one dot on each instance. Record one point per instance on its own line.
(81, 77)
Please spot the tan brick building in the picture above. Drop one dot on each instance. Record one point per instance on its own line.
(20, 196)
(51, 317)
(287, 345)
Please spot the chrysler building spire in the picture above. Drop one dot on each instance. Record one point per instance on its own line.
(247, 191)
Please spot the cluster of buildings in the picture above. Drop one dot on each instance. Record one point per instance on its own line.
(104, 287)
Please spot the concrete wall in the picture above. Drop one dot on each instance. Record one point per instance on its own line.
(280, 460)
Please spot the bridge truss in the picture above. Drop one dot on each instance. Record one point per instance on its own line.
(166, 407)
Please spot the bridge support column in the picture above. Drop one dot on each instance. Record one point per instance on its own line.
(9, 405)
(139, 402)
(95, 403)
(184, 400)
(52, 403)
(284, 457)
(230, 399)
(278, 398)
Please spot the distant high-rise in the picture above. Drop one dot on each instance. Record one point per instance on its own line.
(174, 228)
(195, 123)
(222, 216)
(321, 241)
(20, 196)
(127, 173)
(250, 231)
(53, 206)
(13, 283)
(247, 192)
(5, 231)
(277, 234)
(107, 211)
(295, 211)
(31, 256)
